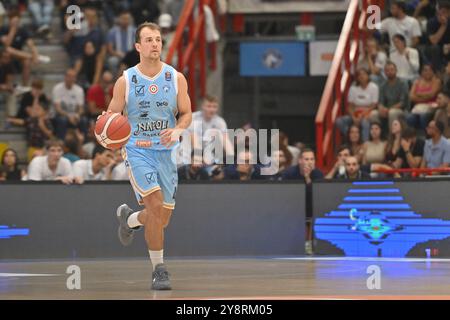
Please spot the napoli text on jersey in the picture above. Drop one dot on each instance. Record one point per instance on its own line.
(151, 106)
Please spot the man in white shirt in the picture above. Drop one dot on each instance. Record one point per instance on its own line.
(405, 59)
(51, 166)
(401, 23)
(98, 168)
(68, 99)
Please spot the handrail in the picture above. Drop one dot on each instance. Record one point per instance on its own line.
(192, 52)
(339, 80)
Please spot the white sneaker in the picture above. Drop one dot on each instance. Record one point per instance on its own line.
(44, 59)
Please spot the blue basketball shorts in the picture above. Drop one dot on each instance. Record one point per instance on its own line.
(151, 170)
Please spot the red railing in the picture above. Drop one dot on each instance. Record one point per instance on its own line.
(414, 172)
(339, 80)
(191, 50)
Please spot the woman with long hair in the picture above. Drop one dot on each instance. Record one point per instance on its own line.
(374, 150)
(9, 166)
(354, 141)
(394, 140)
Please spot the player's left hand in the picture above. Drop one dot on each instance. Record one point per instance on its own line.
(170, 136)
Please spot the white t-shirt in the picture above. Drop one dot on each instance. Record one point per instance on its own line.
(409, 27)
(363, 97)
(38, 169)
(83, 169)
(199, 126)
(69, 99)
(408, 70)
(380, 61)
(120, 172)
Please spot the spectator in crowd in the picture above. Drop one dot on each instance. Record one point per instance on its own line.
(167, 32)
(290, 152)
(438, 33)
(443, 112)
(99, 96)
(89, 142)
(423, 95)
(51, 166)
(354, 141)
(436, 152)
(119, 171)
(394, 97)
(130, 60)
(6, 82)
(374, 150)
(424, 9)
(31, 98)
(446, 77)
(245, 169)
(362, 100)
(411, 152)
(72, 145)
(144, 10)
(394, 140)
(68, 99)
(16, 37)
(120, 40)
(401, 23)
(85, 66)
(74, 38)
(38, 127)
(193, 171)
(352, 170)
(305, 169)
(174, 8)
(9, 170)
(278, 160)
(206, 123)
(97, 168)
(374, 60)
(41, 11)
(338, 169)
(406, 59)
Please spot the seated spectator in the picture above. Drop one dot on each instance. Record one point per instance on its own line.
(97, 168)
(305, 169)
(374, 60)
(9, 170)
(31, 98)
(74, 38)
(281, 163)
(41, 11)
(411, 152)
(73, 145)
(446, 78)
(120, 40)
(245, 169)
(68, 99)
(423, 95)
(374, 150)
(421, 9)
(406, 59)
(290, 152)
(436, 153)
(443, 112)
(394, 140)
(130, 60)
(144, 10)
(362, 100)
(401, 23)
(167, 33)
(85, 66)
(354, 141)
(6, 82)
(16, 37)
(394, 97)
(339, 166)
(193, 171)
(38, 127)
(99, 96)
(438, 34)
(119, 171)
(352, 170)
(51, 166)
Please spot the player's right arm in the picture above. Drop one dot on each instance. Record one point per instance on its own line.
(117, 103)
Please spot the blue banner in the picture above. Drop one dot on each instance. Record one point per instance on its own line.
(272, 59)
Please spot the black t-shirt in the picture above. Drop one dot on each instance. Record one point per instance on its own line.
(5, 70)
(20, 38)
(417, 151)
(27, 101)
(433, 26)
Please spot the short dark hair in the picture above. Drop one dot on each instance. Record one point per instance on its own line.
(408, 133)
(305, 150)
(401, 5)
(343, 147)
(400, 37)
(151, 25)
(390, 63)
(440, 126)
(98, 149)
(54, 143)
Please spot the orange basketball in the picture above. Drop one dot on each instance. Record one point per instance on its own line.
(112, 130)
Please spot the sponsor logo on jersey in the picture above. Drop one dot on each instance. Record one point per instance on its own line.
(143, 114)
(166, 89)
(144, 104)
(151, 177)
(144, 127)
(153, 89)
(143, 143)
(162, 103)
(168, 76)
(139, 91)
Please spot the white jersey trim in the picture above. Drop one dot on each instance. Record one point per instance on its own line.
(150, 78)
(127, 87)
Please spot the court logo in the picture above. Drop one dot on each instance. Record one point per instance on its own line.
(74, 280)
(153, 89)
(139, 91)
(168, 76)
(374, 280)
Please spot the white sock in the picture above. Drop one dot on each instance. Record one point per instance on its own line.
(133, 221)
(156, 257)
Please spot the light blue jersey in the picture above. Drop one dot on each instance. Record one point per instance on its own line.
(151, 106)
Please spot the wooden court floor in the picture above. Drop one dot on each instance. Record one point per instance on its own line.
(240, 278)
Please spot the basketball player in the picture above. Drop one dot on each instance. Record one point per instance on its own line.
(151, 93)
